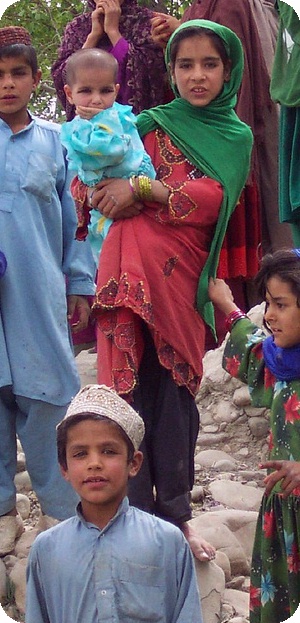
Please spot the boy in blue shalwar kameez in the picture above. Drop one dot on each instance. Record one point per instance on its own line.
(38, 375)
(112, 562)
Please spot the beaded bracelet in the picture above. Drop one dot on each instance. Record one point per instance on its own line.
(145, 189)
(233, 317)
(132, 185)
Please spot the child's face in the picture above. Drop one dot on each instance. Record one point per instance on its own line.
(98, 468)
(16, 86)
(93, 89)
(282, 313)
(199, 71)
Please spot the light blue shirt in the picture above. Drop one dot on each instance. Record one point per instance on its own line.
(138, 569)
(37, 230)
(107, 145)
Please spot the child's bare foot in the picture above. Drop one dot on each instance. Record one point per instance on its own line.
(201, 549)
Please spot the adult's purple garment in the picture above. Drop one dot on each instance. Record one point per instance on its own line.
(141, 63)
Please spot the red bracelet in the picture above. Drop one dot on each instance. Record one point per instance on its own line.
(233, 317)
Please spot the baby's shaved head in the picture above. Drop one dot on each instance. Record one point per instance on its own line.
(87, 58)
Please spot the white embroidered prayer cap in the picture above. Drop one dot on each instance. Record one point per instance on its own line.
(102, 400)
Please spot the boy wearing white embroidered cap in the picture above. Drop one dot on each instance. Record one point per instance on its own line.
(111, 562)
(102, 400)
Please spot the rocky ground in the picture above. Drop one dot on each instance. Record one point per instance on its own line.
(225, 498)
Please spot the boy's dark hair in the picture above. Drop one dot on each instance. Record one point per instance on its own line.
(196, 31)
(68, 422)
(27, 52)
(90, 57)
(284, 264)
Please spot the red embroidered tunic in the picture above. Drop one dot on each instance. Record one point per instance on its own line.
(149, 270)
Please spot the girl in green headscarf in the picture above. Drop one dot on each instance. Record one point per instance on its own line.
(210, 136)
(150, 334)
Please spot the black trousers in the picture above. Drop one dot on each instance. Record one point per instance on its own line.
(171, 418)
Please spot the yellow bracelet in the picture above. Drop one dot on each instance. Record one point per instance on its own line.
(132, 185)
(145, 189)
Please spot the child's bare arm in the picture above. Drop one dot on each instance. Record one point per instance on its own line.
(221, 296)
(286, 471)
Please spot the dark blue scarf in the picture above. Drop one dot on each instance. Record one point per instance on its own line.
(284, 363)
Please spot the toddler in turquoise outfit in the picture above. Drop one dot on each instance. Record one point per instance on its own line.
(102, 141)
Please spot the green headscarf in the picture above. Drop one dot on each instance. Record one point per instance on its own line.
(213, 139)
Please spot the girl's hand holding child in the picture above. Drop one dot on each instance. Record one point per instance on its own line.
(113, 199)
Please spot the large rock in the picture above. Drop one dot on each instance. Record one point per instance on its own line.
(238, 600)
(23, 505)
(211, 581)
(236, 495)
(24, 543)
(220, 526)
(23, 482)
(18, 578)
(211, 458)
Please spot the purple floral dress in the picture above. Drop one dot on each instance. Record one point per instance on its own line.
(275, 572)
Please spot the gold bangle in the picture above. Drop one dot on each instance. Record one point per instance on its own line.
(132, 185)
(145, 188)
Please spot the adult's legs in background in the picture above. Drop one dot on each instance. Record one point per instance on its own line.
(171, 420)
(36, 427)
